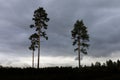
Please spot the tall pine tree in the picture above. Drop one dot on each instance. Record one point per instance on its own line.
(34, 44)
(81, 38)
(40, 24)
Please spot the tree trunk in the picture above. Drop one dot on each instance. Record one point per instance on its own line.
(33, 59)
(79, 53)
(38, 49)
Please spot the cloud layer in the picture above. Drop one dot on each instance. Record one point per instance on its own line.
(101, 17)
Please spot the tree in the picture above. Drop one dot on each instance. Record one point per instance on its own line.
(118, 64)
(40, 24)
(34, 44)
(98, 64)
(80, 37)
(110, 63)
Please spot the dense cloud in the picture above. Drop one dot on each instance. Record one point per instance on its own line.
(100, 16)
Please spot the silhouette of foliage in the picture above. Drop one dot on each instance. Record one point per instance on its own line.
(40, 24)
(98, 64)
(96, 72)
(80, 37)
(34, 44)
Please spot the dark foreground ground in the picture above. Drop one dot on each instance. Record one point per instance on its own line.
(60, 73)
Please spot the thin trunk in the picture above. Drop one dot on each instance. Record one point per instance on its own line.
(79, 53)
(38, 49)
(33, 59)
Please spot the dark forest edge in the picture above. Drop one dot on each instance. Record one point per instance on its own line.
(106, 71)
(108, 66)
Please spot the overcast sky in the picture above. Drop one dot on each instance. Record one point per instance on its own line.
(100, 16)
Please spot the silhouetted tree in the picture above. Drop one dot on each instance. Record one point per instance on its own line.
(34, 44)
(80, 37)
(92, 65)
(103, 64)
(40, 18)
(97, 64)
(110, 63)
(118, 64)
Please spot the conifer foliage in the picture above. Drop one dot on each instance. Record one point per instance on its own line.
(40, 24)
(80, 37)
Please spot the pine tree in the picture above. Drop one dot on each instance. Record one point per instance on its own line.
(81, 38)
(40, 19)
(34, 44)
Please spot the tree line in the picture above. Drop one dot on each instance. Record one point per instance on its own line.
(109, 71)
(109, 64)
(79, 34)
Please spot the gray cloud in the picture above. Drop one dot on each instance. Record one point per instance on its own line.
(101, 17)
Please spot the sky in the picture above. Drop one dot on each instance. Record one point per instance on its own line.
(100, 16)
